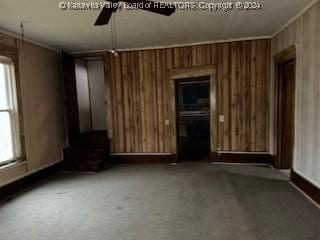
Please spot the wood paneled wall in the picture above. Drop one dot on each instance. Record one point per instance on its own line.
(139, 97)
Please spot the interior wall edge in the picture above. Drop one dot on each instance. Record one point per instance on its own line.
(106, 51)
(18, 37)
(249, 152)
(242, 158)
(294, 18)
(27, 173)
(306, 178)
(308, 188)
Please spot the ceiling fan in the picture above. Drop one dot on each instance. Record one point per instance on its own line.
(146, 5)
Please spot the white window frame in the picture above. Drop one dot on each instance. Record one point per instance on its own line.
(12, 109)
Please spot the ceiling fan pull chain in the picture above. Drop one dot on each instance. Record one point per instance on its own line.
(111, 33)
(114, 37)
(115, 32)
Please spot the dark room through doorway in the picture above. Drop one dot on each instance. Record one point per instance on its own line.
(193, 118)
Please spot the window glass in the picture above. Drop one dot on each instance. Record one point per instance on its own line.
(3, 88)
(9, 129)
(6, 150)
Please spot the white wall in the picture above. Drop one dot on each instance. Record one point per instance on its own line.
(97, 94)
(305, 33)
(83, 96)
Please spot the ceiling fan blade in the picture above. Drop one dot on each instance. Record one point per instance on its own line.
(151, 6)
(104, 16)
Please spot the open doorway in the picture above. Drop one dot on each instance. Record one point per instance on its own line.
(193, 118)
(285, 108)
(89, 145)
(90, 90)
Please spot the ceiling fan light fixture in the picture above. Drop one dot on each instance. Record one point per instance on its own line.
(114, 53)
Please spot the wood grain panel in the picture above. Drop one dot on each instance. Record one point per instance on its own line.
(142, 95)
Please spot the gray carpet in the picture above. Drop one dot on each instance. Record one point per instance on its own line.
(162, 202)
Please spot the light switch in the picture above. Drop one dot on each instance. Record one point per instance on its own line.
(167, 122)
(221, 118)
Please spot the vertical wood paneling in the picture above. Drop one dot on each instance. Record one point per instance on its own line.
(226, 96)
(267, 92)
(259, 110)
(233, 97)
(166, 96)
(253, 95)
(220, 96)
(126, 109)
(248, 95)
(141, 95)
(154, 99)
(159, 101)
(237, 109)
(243, 93)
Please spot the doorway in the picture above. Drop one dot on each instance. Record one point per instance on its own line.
(285, 108)
(90, 91)
(193, 118)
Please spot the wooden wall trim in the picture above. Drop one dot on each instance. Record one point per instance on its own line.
(10, 52)
(17, 39)
(17, 186)
(179, 45)
(142, 158)
(282, 57)
(199, 71)
(191, 72)
(259, 158)
(13, 54)
(307, 187)
(285, 55)
(223, 157)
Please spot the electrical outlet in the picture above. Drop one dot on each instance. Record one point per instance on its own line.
(167, 122)
(221, 118)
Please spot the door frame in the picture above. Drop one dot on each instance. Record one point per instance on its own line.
(279, 59)
(193, 72)
(178, 81)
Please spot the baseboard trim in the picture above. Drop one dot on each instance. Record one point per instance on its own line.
(224, 157)
(141, 158)
(307, 187)
(236, 157)
(22, 183)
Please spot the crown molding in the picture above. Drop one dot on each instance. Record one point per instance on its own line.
(26, 39)
(173, 46)
(293, 19)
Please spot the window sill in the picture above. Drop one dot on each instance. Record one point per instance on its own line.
(11, 164)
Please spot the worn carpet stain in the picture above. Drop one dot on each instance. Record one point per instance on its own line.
(186, 201)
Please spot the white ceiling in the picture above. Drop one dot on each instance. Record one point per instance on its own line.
(73, 31)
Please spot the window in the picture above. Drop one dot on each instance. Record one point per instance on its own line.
(9, 119)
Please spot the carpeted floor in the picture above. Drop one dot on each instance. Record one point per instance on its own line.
(190, 201)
